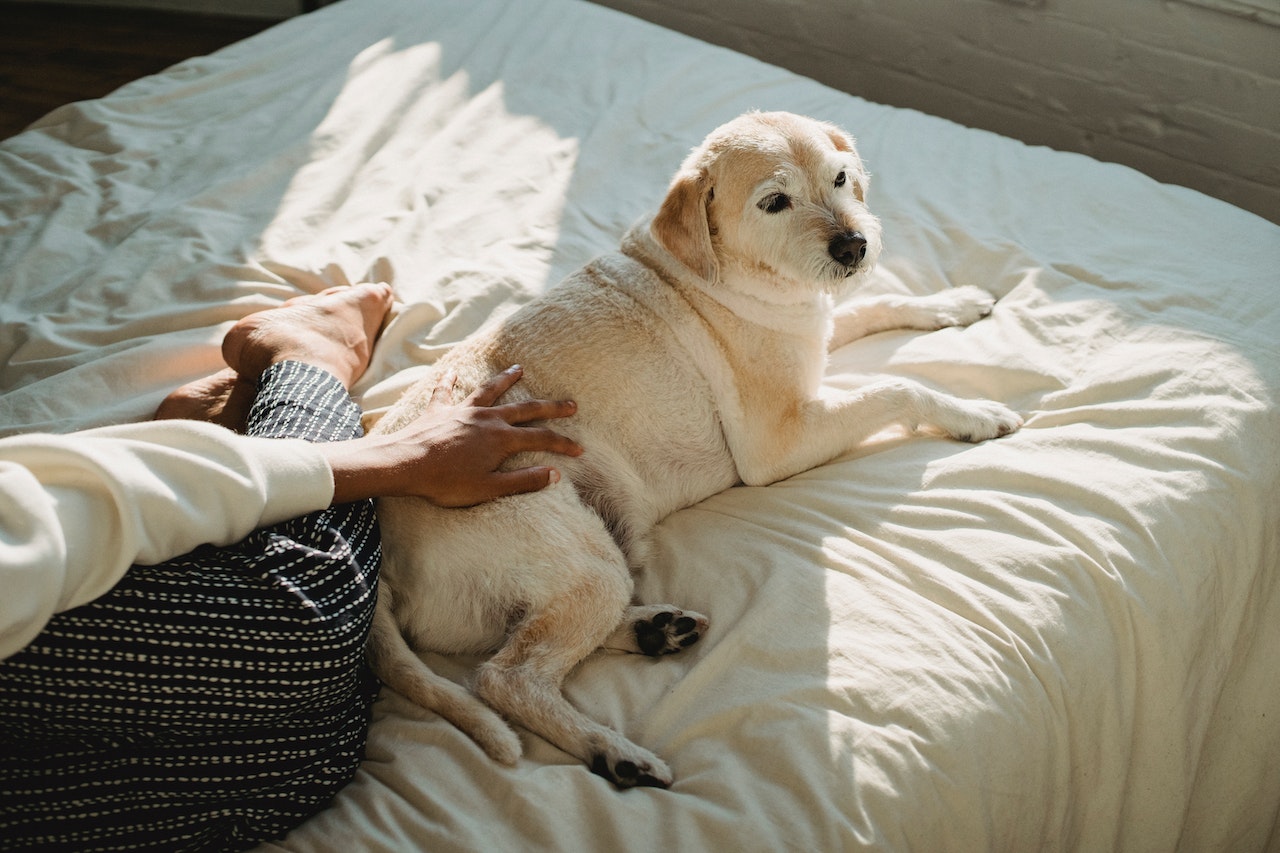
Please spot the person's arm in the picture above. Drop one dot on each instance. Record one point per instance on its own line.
(76, 511)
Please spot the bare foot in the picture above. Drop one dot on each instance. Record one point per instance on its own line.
(223, 398)
(334, 330)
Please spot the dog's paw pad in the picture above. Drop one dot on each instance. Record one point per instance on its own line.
(626, 773)
(667, 631)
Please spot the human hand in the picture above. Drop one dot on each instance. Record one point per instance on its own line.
(451, 453)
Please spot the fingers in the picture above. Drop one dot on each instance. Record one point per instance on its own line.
(531, 439)
(500, 485)
(513, 413)
(486, 435)
(524, 480)
(535, 410)
(488, 393)
(517, 413)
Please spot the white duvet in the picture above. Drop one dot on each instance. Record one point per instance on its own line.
(1067, 639)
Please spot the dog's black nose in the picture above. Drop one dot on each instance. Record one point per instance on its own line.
(848, 248)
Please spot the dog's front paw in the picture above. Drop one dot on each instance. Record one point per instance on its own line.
(663, 630)
(958, 306)
(979, 420)
(631, 768)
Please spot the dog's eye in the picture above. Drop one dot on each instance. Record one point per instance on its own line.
(840, 179)
(775, 203)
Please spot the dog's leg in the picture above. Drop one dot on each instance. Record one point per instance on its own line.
(657, 629)
(523, 681)
(404, 672)
(834, 423)
(956, 306)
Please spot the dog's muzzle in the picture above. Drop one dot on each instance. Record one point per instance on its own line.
(848, 249)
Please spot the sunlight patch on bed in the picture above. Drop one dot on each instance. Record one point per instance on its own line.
(419, 179)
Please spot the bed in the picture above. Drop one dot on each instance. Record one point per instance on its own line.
(1061, 640)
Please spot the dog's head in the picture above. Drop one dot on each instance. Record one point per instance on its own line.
(777, 196)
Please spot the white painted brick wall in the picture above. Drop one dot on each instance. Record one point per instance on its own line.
(1187, 94)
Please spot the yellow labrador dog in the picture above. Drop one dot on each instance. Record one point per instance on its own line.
(696, 357)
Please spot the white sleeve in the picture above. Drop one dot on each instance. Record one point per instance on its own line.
(77, 510)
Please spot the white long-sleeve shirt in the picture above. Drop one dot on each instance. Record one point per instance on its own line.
(77, 510)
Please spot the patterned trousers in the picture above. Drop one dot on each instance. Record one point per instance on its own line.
(210, 702)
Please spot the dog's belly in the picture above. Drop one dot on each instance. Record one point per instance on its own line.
(632, 495)
(461, 578)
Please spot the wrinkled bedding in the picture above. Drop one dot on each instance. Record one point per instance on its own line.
(1062, 640)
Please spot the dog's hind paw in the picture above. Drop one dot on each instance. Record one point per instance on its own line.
(632, 772)
(657, 629)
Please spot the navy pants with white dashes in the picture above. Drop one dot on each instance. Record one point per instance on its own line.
(212, 701)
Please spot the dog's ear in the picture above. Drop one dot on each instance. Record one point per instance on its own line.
(841, 140)
(681, 224)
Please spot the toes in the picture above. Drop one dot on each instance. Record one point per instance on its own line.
(668, 631)
(962, 306)
(650, 637)
(626, 773)
(1008, 427)
(991, 420)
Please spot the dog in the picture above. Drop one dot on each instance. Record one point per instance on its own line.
(695, 354)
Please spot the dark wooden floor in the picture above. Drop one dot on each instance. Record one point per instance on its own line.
(52, 54)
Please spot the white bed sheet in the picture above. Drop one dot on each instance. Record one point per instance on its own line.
(1062, 640)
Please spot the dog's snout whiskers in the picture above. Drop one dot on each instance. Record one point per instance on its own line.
(849, 248)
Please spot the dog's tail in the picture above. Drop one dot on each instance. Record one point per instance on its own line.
(400, 669)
